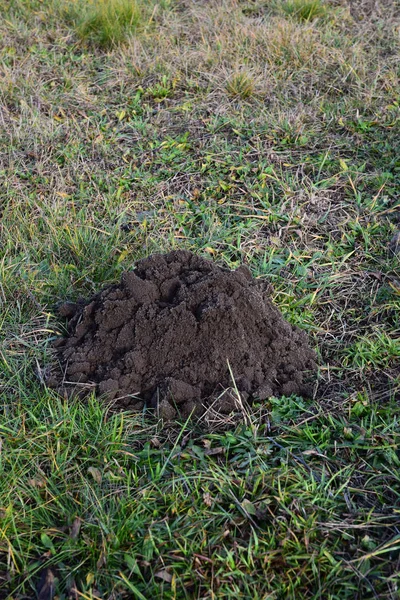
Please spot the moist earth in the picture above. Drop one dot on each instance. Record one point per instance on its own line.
(176, 333)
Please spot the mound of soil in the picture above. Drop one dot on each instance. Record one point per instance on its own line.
(174, 330)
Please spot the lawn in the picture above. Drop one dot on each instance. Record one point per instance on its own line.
(247, 131)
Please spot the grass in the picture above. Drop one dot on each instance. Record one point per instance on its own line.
(305, 10)
(241, 85)
(253, 511)
(109, 153)
(104, 22)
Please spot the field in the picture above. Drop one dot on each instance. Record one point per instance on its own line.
(248, 131)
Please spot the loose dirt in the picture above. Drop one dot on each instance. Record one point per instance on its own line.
(172, 334)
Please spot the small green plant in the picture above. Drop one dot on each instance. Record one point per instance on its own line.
(240, 85)
(104, 22)
(304, 10)
(162, 89)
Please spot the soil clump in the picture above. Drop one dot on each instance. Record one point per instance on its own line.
(173, 332)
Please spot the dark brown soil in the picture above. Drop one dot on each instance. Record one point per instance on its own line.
(172, 332)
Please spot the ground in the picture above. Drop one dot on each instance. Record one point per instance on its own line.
(258, 133)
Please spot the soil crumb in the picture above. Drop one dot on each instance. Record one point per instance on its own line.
(173, 332)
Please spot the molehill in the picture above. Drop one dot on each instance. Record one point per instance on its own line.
(172, 334)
